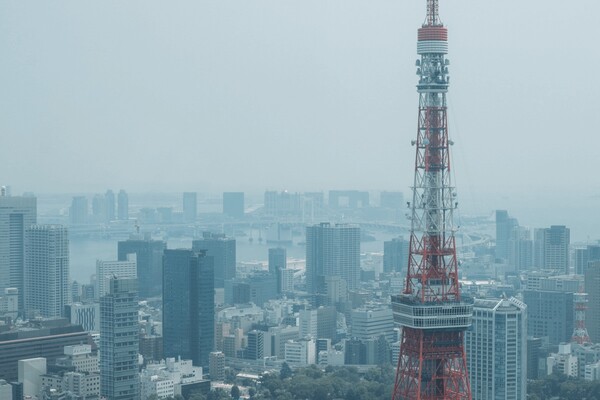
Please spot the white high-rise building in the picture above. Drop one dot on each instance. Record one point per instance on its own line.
(46, 275)
(372, 323)
(16, 215)
(105, 270)
(496, 346)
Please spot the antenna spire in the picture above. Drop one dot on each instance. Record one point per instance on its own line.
(433, 13)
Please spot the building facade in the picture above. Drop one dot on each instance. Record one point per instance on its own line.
(188, 305)
(46, 275)
(496, 346)
(222, 250)
(119, 343)
(332, 250)
(149, 257)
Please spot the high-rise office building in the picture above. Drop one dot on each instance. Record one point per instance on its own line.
(109, 200)
(504, 227)
(99, 208)
(149, 257)
(496, 346)
(16, 215)
(217, 366)
(277, 263)
(223, 251)
(372, 323)
(520, 249)
(46, 276)
(332, 250)
(78, 212)
(233, 204)
(119, 340)
(190, 206)
(551, 249)
(105, 270)
(188, 305)
(549, 314)
(395, 255)
(256, 345)
(123, 205)
(584, 255)
(592, 288)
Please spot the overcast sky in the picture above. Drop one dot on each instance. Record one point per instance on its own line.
(298, 95)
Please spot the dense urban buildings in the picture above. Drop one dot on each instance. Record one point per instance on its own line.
(188, 305)
(395, 255)
(277, 263)
(119, 343)
(46, 275)
(16, 215)
(496, 347)
(551, 248)
(592, 288)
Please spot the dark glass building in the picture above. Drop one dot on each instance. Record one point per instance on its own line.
(222, 250)
(395, 255)
(149, 255)
(188, 305)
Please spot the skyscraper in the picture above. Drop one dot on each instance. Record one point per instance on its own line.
(190, 206)
(551, 248)
(496, 347)
(520, 249)
(149, 257)
(233, 204)
(123, 205)
(46, 278)
(119, 340)
(223, 251)
(277, 263)
(78, 213)
(550, 314)
(188, 305)
(584, 255)
(332, 250)
(105, 270)
(109, 199)
(592, 288)
(395, 255)
(16, 215)
(504, 227)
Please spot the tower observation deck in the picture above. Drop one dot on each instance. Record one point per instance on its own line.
(431, 311)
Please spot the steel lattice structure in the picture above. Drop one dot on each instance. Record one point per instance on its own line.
(431, 311)
(580, 333)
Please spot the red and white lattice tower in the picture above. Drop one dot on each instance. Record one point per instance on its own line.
(431, 311)
(580, 333)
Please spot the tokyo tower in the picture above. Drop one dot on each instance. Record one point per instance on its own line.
(431, 311)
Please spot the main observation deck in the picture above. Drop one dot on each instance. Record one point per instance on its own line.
(449, 315)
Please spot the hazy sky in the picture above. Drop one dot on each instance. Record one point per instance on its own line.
(299, 95)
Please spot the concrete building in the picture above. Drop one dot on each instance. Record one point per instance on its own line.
(301, 352)
(496, 347)
(395, 255)
(6, 390)
(149, 257)
(216, 362)
(563, 361)
(549, 314)
(373, 323)
(80, 358)
(332, 250)
(504, 226)
(85, 314)
(16, 215)
(106, 270)
(279, 336)
(119, 341)
(348, 199)
(45, 338)
(222, 250)
(190, 207)
(78, 212)
(30, 375)
(172, 377)
(9, 303)
(122, 206)
(256, 345)
(46, 274)
(109, 201)
(233, 204)
(277, 263)
(520, 249)
(551, 249)
(188, 305)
